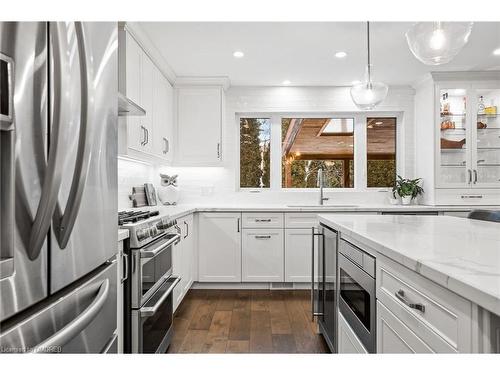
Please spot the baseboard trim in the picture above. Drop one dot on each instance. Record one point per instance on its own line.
(246, 286)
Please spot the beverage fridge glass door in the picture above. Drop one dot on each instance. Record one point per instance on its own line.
(486, 137)
(327, 266)
(85, 221)
(23, 158)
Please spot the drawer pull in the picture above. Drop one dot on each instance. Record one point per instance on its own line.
(400, 295)
(262, 220)
(263, 237)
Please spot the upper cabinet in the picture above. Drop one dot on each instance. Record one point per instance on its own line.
(200, 115)
(149, 137)
(459, 112)
(469, 136)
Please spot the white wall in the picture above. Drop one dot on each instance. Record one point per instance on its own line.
(194, 181)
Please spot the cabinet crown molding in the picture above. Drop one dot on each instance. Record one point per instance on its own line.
(224, 82)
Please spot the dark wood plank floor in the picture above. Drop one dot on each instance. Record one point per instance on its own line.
(245, 321)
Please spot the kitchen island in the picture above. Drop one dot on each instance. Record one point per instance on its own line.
(449, 266)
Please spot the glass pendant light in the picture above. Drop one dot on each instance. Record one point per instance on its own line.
(367, 95)
(436, 43)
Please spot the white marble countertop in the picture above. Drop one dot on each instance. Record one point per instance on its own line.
(177, 211)
(462, 255)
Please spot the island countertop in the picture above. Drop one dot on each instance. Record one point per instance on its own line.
(462, 255)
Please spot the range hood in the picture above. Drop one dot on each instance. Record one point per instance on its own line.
(127, 107)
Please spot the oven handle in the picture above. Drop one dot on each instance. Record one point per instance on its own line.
(150, 311)
(159, 249)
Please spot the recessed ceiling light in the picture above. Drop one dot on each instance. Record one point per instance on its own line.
(286, 82)
(238, 54)
(340, 55)
(497, 52)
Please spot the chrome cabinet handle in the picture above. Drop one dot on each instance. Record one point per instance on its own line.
(77, 325)
(238, 225)
(147, 135)
(263, 237)
(471, 196)
(149, 311)
(312, 276)
(262, 220)
(187, 229)
(475, 176)
(64, 222)
(166, 149)
(481, 160)
(218, 150)
(400, 295)
(470, 176)
(125, 262)
(143, 142)
(53, 173)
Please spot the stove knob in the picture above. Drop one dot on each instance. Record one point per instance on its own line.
(142, 234)
(153, 231)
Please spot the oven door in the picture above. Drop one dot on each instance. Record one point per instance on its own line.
(151, 265)
(152, 323)
(357, 301)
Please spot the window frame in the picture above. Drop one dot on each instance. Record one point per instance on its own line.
(360, 148)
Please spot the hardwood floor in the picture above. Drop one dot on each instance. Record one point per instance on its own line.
(245, 321)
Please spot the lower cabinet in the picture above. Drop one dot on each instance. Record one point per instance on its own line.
(298, 250)
(262, 255)
(348, 342)
(219, 247)
(393, 336)
(184, 259)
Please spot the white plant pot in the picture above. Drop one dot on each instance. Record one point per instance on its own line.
(406, 200)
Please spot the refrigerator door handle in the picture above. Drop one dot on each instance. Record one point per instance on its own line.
(53, 174)
(77, 325)
(64, 222)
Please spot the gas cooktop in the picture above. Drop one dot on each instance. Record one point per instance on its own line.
(126, 217)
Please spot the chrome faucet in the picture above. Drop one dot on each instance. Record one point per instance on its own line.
(320, 184)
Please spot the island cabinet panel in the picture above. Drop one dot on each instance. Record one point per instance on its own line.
(262, 255)
(439, 317)
(393, 336)
(219, 247)
(348, 342)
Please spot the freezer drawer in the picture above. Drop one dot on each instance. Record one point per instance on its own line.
(79, 320)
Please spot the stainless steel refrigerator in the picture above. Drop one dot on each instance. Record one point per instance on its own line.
(58, 187)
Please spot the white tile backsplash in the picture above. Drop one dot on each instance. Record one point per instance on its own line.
(132, 173)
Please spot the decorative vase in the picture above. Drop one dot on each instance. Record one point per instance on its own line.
(406, 200)
(168, 192)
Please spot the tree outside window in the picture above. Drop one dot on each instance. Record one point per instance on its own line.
(255, 152)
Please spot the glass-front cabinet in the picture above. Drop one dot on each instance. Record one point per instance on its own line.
(468, 136)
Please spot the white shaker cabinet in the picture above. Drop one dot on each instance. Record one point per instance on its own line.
(199, 125)
(219, 247)
(162, 117)
(184, 259)
(348, 342)
(393, 336)
(148, 137)
(262, 255)
(298, 251)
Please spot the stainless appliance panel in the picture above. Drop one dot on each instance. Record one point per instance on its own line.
(84, 226)
(151, 265)
(326, 295)
(357, 301)
(23, 157)
(79, 320)
(152, 324)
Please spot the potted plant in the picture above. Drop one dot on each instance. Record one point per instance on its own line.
(394, 198)
(408, 189)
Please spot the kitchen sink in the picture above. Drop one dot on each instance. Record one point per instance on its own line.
(323, 206)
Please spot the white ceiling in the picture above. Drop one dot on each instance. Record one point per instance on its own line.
(303, 52)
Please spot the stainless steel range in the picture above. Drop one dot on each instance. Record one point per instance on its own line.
(148, 291)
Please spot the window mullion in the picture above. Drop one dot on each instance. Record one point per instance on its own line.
(360, 157)
(276, 152)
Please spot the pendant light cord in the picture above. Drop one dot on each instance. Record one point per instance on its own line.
(368, 46)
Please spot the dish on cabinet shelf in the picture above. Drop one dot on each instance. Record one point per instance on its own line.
(449, 144)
